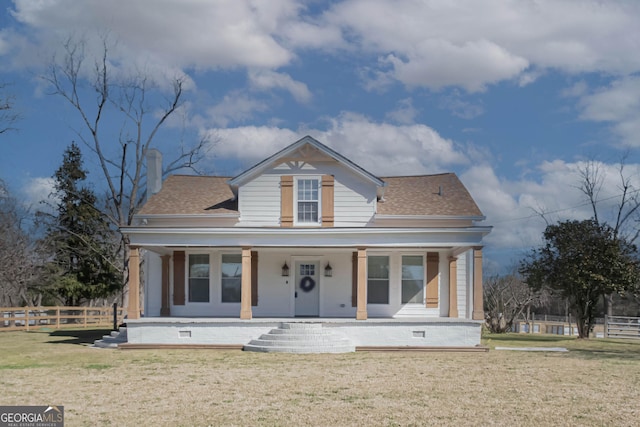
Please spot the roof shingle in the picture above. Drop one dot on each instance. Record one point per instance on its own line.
(437, 195)
(190, 195)
(425, 195)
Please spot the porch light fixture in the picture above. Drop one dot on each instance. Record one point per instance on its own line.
(328, 271)
(285, 269)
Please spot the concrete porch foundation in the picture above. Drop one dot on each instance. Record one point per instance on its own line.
(373, 333)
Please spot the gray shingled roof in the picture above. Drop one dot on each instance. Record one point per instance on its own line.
(408, 195)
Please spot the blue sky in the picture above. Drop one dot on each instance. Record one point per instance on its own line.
(513, 96)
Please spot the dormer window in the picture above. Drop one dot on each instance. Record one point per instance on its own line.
(308, 201)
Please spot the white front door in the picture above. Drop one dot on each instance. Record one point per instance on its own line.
(307, 289)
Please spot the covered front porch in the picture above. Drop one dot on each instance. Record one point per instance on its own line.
(308, 282)
(376, 296)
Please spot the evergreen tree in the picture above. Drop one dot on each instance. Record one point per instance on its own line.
(83, 247)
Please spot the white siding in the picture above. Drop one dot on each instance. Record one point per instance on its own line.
(335, 292)
(354, 198)
(259, 201)
(274, 291)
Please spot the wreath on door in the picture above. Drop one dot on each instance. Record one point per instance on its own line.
(307, 284)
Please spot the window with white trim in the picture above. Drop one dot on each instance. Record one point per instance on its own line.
(378, 280)
(198, 278)
(308, 201)
(231, 277)
(412, 279)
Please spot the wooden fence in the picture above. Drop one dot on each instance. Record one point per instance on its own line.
(28, 318)
(622, 327)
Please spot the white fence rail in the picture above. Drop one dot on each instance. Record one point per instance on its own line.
(622, 327)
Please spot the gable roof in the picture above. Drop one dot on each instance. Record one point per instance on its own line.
(268, 162)
(425, 195)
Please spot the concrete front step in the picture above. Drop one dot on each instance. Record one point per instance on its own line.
(112, 340)
(264, 341)
(310, 350)
(302, 332)
(301, 325)
(301, 338)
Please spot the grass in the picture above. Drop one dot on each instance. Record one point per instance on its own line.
(596, 383)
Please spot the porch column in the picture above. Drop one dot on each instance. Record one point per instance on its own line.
(245, 291)
(133, 311)
(361, 311)
(478, 308)
(165, 309)
(453, 287)
(433, 261)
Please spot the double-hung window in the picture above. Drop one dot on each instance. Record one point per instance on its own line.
(308, 201)
(231, 277)
(412, 279)
(378, 280)
(198, 278)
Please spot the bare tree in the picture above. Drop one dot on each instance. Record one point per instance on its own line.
(19, 263)
(141, 107)
(508, 297)
(8, 115)
(626, 214)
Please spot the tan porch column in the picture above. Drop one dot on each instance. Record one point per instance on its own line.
(433, 261)
(478, 307)
(361, 311)
(165, 309)
(245, 291)
(133, 311)
(453, 287)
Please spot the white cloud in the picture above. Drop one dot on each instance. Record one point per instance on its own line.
(577, 89)
(39, 190)
(188, 33)
(405, 113)
(459, 107)
(387, 149)
(463, 43)
(471, 65)
(516, 207)
(307, 35)
(249, 144)
(235, 107)
(618, 104)
(382, 148)
(266, 80)
(472, 44)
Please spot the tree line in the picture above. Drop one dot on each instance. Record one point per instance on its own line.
(64, 253)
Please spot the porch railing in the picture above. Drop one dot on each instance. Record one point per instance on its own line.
(27, 318)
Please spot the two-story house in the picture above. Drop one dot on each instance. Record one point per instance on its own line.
(307, 235)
